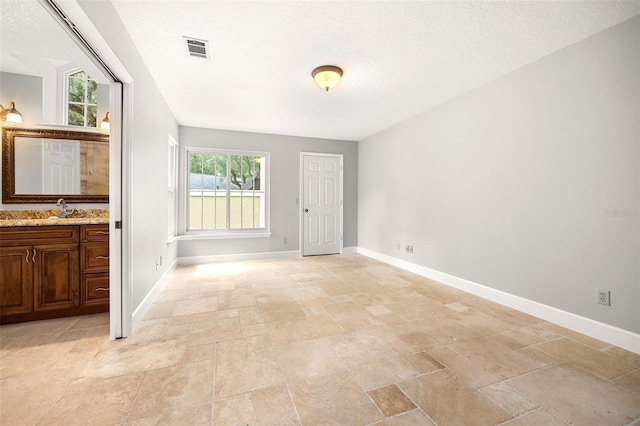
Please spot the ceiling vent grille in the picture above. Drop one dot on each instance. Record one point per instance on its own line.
(196, 47)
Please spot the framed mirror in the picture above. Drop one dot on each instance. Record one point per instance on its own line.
(43, 165)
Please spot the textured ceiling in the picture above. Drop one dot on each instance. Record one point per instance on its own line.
(31, 42)
(399, 58)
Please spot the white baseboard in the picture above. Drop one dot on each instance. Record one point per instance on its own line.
(598, 330)
(349, 250)
(191, 260)
(143, 307)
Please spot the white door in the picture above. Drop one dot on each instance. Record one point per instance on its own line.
(321, 204)
(61, 167)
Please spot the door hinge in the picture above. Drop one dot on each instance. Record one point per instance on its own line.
(118, 224)
(340, 237)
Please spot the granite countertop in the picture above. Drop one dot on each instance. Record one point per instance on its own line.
(15, 218)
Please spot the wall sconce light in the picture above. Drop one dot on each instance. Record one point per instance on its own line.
(105, 124)
(327, 76)
(11, 115)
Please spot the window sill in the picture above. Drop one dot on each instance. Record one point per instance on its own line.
(229, 236)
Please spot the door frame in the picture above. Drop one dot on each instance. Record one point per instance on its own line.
(300, 203)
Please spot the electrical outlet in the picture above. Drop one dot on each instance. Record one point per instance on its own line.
(408, 249)
(603, 297)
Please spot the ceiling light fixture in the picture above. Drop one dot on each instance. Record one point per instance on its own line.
(327, 76)
(105, 124)
(11, 115)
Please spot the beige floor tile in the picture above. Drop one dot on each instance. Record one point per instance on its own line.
(300, 329)
(203, 317)
(578, 397)
(308, 359)
(445, 330)
(272, 406)
(381, 373)
(346, 311)
(423, 362)
(196, 306)
(447, 399)
(26, 397)
(160, 310)
(281, 311)
(630, 357)
(199, 353)
(361, 347)
(469, 372)
(174, 388)
(245, 365)
(508, 398)
(197, 415)
(95, 401)
(391, 401)
(33, 358)
(536, 418)
(333, 399)
(229, 299)
(420, 310)
(91, 321)
(203, 333)
(596, 362)
(482, 324)
(335, 287)
(516, 339)
(630, 381)
(410, 418)
(498, 360)
(378, 310)
(236, 410)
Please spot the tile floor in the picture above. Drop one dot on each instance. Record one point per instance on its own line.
(325, 340)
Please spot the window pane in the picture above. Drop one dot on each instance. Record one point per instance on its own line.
(92, 111)
(92, 92)
(207, 191)
(76, 89)
(76, 115)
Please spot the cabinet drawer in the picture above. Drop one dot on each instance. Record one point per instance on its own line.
(94, 232)
(39, 235)
(94, 289)
(94, 257)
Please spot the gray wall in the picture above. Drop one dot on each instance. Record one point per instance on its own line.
(529, 184)
(284, 185)
(152, 123)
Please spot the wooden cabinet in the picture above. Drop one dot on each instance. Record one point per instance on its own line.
(94, 264)
(42, 273)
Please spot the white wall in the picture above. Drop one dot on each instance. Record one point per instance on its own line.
(528, 185)
(284, 185)
(152, 124)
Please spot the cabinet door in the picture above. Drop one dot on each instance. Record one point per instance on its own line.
(94, 257)
(56, 276)
(94, 289)
(16, 269)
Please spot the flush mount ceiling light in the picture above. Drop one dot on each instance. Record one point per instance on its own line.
(327, 76)
(11, 115)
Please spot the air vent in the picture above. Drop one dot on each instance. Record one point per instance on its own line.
(196, 47)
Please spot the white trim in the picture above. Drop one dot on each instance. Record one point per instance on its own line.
(598, 330)
(350, 250)
(192, 260)
(142, 309)
(223, 236)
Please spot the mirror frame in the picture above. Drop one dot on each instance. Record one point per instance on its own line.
(9, 134)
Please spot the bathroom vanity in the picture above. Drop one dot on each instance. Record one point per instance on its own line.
(52, 267)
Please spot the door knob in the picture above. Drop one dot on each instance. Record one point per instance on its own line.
(306, 210)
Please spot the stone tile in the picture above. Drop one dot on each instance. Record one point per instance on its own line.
(498, 360)
(536, 418)
(203, 317)
(391, 401)
(300, 329)
(346, 311)
(95, 401)
(335, 287)
(423, 362)
(203, 333)
(361, 347)
(174, 388)
(447, 399)
(596, 362)
(197, 415)
(333, 399)
(384, 372)
(195, 306)
(160, 310)
(630, 381)
(516, 339)
(413, 310)
(273, 406)
(245, 365)
(378, 310)
(508, 398)
(229, 299)
(410, 418)
(577, 396)
(469, 372)
(281, 311)
(199, 353)
(630, 357)
(308, 359)
(236, 410)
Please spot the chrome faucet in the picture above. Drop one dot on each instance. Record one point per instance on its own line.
(64, 213)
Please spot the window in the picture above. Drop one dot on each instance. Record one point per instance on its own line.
(172, 156)
(82, 100)
(227, 191)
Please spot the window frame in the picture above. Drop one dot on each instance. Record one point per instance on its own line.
(65, 110)
(189, 234)
(172, 194)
